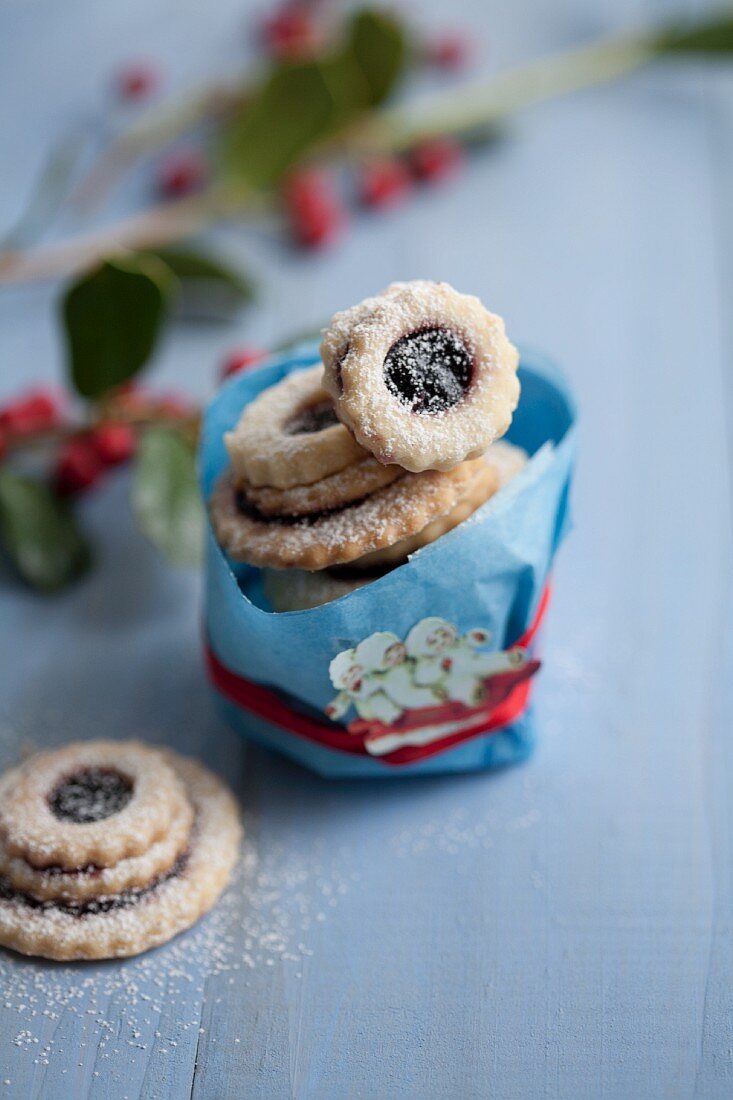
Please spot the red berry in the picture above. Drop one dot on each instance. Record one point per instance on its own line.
(36, 411)
(137, 80)
(114, 443)
(448, 51)
(436, 159)
(240, 360)
(313, 207)
(78, 466)
(384, 183)
(315, 228)
(290, 32)
(182, 173)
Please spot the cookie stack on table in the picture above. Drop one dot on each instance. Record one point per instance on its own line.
(339, 472)
(108, 848)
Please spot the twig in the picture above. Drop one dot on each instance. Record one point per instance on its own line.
(160, 224)
(480, 105)
(49, 192)
(485, 103)
(158, 126)
(188, 425)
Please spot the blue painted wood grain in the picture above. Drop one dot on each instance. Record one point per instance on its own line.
(561, 930)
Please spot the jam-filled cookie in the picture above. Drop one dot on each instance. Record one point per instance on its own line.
(120, 908)
(90, 880)
(354, 483)
(425, 377)
(480, 489)
(320, 539)
(54, 809)
(290, 435)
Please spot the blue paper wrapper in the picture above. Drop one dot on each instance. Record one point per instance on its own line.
(275, 674)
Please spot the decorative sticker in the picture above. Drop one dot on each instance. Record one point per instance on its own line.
(430, 686)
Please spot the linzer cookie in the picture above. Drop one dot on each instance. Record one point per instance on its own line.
(424, 377)
(480, 488)
(321, 539)
(95, 864)
(356, 482)
(54, 812)
(290, 435)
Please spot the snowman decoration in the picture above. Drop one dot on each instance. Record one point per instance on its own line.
(383, 677)
(455, 664)
(377, 679)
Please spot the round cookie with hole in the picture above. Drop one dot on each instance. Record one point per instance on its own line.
(423, 376)
(88, 891)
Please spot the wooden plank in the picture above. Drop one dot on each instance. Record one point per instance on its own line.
(559, 930)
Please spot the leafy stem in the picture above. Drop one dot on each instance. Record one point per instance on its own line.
(483, 104)
(158, 126)
(160, 224)
(335, 103)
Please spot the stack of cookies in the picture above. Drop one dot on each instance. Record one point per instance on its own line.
(341, 471)
(108, 848)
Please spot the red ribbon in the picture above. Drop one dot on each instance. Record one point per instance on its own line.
(508, 695)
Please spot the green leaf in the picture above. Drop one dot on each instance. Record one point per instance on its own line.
(348, 89)
(379, 45)
(165, 496)
(113, 317)
(209, 288)
(709, 36)
(274, 129)
(39, 534)
(302, 103)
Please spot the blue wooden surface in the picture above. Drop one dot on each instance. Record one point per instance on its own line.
(560, 930)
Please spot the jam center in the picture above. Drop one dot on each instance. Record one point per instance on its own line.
(314, 418)
(90, 795)
(429, 370)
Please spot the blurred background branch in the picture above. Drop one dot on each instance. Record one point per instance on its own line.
(273, 149)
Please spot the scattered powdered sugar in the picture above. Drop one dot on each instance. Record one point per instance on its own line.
(269, 915)
(460, 830)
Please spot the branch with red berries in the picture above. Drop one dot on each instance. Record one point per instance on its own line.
(273, 145)
(57, 446)
(247, 147)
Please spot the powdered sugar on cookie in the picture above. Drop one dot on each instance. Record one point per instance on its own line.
(315, 542)
(291, 436)
(103, 923)
(424, 376)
